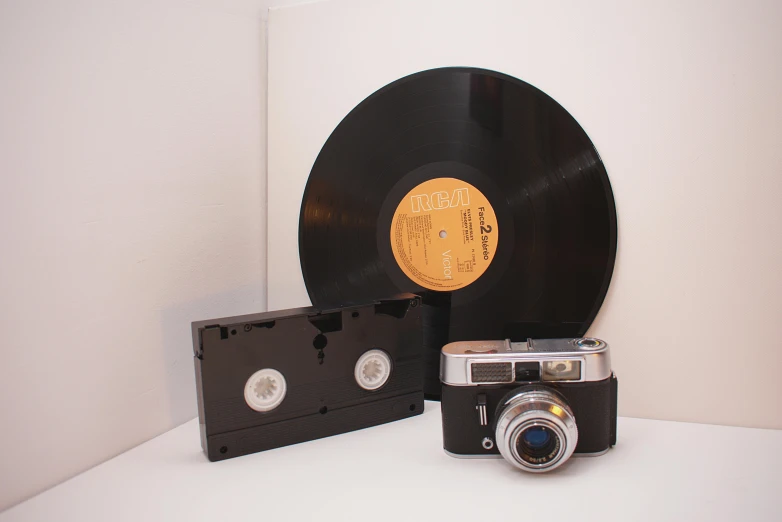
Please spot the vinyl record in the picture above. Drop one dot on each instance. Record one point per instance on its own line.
(473, 189)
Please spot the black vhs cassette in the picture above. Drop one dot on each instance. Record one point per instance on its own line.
(278, 378)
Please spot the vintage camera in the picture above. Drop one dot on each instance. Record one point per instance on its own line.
(536, 403)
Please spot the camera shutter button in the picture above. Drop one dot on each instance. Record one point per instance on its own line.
(590, 343)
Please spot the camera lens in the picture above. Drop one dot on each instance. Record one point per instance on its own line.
(536, 437)
(537, 444)
(536, 430)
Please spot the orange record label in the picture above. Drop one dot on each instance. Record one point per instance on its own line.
(444, 234)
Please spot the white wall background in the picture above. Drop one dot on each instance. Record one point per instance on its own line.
(682, 100)
(133, 182)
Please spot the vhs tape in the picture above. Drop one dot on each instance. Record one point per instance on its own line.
(278, 378)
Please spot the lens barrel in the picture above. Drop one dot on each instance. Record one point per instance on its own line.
(536, 430)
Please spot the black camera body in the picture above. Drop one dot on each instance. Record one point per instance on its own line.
(535, 403)
(278, 378)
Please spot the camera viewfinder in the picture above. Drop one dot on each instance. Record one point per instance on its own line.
(527, 371)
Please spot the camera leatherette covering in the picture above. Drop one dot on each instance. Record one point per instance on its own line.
(593, 405)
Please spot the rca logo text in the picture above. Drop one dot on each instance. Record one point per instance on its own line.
(439, 200)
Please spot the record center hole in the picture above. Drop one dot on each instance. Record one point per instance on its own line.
(443, 234)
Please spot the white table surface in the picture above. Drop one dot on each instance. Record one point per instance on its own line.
(658, 471)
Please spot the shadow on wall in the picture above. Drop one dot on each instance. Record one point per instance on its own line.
(177, 341)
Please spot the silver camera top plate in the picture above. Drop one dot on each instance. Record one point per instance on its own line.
(457, 358)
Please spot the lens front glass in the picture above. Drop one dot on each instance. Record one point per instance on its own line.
(538, 445)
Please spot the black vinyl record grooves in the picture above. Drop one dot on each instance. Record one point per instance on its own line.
(476, 191)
